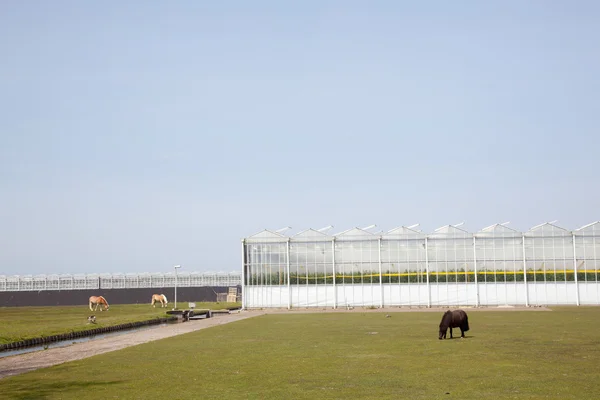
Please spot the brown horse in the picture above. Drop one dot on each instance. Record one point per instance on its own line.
(98, 301)
(159, 298)
(454, 319)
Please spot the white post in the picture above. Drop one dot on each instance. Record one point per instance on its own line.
(289, 287)
(244, 274)
(380, 273)
(427, 272)
(333, 269)
(575, 271)
(176, 268)
(475, 272)
(525, 272)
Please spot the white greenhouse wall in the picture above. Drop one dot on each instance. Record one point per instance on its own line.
(498, 294)
(547, 265)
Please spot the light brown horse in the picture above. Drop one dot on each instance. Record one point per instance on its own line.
(159, 298)
(98, 301)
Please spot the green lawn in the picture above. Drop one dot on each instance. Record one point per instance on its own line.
(363, 355)
(21, 323)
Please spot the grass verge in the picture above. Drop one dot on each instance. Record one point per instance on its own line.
(22, 323)
(363, 355)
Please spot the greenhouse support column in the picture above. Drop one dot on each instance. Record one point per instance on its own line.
(287, 267)
(575, 271)
(427, 271)
(243, 274)
(475, 272)
(334, 276)
(525, 272)
(380, 273)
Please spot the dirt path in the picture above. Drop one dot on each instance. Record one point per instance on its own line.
(19, 364)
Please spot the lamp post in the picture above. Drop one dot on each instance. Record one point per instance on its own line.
(176, 268)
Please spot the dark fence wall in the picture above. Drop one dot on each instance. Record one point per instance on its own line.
(113, 296)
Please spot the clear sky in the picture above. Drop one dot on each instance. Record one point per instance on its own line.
(138, 135)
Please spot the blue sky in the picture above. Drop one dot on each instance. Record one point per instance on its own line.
(139, 135)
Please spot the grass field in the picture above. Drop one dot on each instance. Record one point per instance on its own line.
(359, 355)
(21, 323)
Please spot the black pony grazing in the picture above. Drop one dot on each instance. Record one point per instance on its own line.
(454, 319)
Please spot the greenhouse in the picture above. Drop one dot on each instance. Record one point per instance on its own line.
(117, 281)
(547, 265)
